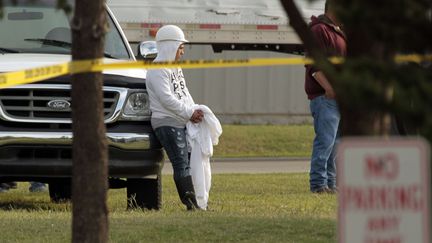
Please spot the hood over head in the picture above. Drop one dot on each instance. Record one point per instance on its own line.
(167, 50)
(323, 19)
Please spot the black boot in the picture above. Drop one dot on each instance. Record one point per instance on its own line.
(186, 192)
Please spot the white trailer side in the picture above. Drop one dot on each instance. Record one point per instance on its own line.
(226, 24)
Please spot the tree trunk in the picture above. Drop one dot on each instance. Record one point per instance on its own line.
(90, 170)
(302, 30)
(372, 120)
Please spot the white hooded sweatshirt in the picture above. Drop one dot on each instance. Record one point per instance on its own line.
(170, 100)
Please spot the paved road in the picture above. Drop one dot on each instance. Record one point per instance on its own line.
(255, 165)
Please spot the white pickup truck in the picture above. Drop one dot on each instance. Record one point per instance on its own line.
(35, 119)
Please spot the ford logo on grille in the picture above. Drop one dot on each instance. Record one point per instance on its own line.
(58, 105)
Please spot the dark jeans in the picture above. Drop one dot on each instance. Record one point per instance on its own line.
(174, 142)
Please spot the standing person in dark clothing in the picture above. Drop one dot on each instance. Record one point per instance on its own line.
(329, 36)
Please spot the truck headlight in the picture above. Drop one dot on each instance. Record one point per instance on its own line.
(137, 106)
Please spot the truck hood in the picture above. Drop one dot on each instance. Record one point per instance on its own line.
(20, 61)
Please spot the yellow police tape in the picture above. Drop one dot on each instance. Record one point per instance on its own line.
(42, 73)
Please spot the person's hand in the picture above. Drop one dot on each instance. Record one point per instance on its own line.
(197, 116)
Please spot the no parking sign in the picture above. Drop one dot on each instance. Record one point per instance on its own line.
(384, 187)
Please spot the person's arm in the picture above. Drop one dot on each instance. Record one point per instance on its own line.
(321, 37)
(323, 81)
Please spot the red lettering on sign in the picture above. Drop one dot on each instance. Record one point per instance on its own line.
(383, 198)
(383, 224)
(395, 239)
(386, 166)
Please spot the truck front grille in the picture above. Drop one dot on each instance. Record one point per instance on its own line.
(49, 103)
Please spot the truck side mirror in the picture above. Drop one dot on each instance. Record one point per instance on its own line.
(147, 50)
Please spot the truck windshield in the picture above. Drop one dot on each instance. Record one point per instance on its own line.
(41, 27)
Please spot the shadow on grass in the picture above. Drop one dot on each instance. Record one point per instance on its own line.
(31, 205)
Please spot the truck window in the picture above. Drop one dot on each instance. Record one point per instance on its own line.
(42, 28)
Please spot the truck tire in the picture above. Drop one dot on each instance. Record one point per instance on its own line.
(144, 193)
(60, 191)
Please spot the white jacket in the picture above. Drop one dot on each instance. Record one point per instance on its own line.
(168, 94)
(201, 138)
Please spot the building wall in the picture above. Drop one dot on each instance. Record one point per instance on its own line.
(252, 95)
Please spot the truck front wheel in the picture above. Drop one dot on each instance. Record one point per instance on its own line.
(144, 193)
(60, 191)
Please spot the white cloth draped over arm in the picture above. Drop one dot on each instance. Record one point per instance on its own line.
(201, 138)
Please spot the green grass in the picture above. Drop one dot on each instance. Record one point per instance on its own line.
(244, 208)
(265, 141)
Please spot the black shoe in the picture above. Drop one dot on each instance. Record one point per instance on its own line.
(332, 190)
(321, 190)
(189, 200)
(186, 192)
(4, 187)
(12, 185)
(37, 187)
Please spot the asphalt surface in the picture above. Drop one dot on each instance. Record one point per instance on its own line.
(253, 165)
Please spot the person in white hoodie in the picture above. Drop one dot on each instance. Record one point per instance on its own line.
(172, 107)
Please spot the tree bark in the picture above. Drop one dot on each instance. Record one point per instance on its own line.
(302, 30)
(365, 119)
(90, 170)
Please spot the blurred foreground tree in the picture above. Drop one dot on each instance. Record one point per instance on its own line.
(370, 81)
(372, 89)
(90, 150)
(90, 159)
